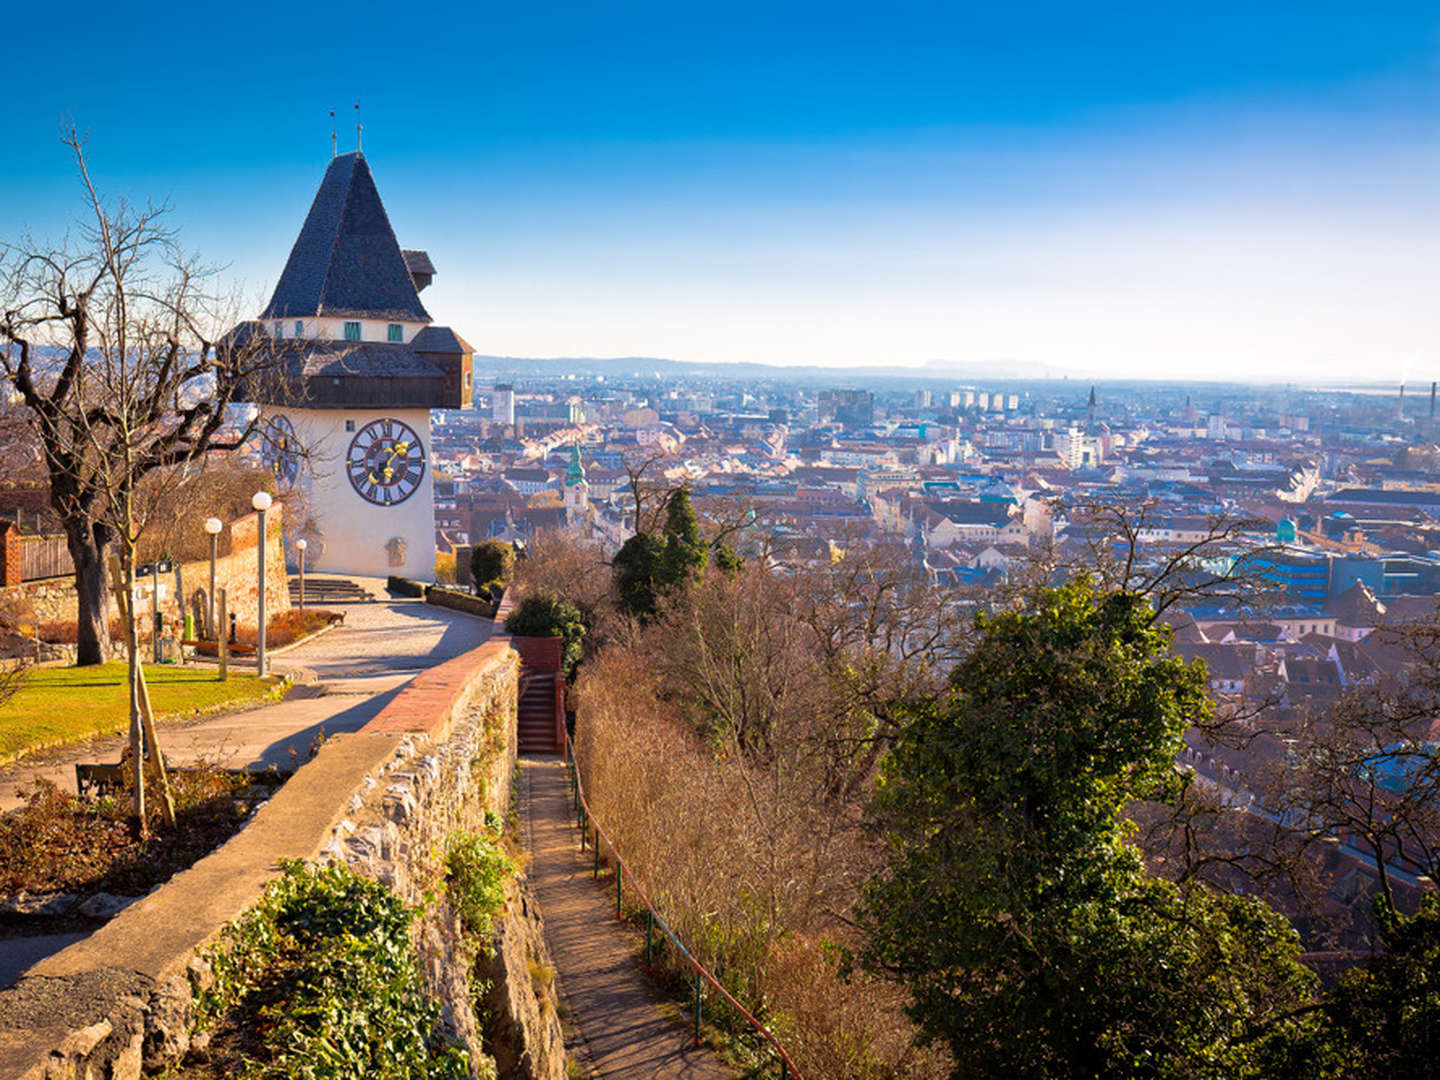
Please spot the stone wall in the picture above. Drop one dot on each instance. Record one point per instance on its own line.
(382, 800)
(185, 589)
(236, 572)
(46, 600)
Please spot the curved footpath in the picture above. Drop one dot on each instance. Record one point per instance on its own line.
(351, 673)
(345, 676)
(625, 1030)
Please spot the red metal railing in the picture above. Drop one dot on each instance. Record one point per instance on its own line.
(562, 733)
(586, 821)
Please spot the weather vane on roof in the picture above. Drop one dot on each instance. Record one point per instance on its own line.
(358, 129)
(334, 138)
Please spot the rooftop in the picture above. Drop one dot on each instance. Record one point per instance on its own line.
(346, 263)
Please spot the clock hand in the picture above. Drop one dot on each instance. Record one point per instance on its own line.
(390, 463)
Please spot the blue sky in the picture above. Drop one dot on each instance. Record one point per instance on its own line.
(1248, 189)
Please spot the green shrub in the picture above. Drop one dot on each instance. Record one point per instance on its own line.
(491, 564)
(460, 601)
(477, 866)
(542, 614)
(636, 568)
(325, 966)
(404, 586)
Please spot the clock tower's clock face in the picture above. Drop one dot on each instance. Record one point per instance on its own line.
(386, 462)
(280, 449)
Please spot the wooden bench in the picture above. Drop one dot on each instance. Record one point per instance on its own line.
(99, 779)
(96, 779)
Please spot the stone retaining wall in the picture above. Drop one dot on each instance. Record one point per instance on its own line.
(50, 599)
(382, 800)
(185, 589)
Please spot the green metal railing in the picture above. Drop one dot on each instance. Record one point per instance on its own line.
(623, 876)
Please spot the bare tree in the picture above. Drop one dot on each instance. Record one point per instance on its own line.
(1116, 552)
(111, 345)
(1367, 774)
(176, 508)
(650, 496)
(887, 639)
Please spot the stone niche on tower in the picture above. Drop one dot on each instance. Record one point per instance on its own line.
(356, 365)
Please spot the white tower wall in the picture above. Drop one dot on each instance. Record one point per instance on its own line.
(353, 531)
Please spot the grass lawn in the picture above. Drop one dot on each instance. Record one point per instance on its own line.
(66, 704)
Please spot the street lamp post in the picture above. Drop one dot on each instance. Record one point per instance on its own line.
(212, 526)
(261, 502)
(300, 546)
(155, 610)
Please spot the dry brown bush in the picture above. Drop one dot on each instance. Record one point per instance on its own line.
(559, 563)
(714, 747)
(66, 632)
(179, 504)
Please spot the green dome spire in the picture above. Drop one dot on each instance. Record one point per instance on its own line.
(574, 472)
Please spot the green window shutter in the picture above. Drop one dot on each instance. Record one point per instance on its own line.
(352, 331)
(395, 332)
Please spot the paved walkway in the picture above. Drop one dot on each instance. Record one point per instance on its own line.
(624, 1033)
(350, 673)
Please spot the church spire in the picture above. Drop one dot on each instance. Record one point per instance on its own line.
(575, 471)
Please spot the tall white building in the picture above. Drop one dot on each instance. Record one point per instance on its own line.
(502, 404)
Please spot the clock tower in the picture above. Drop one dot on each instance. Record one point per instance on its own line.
(358, 365)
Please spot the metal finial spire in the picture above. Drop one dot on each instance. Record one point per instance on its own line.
(334, 138)
(358, 129)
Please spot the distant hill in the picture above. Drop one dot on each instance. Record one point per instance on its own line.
(625, 367)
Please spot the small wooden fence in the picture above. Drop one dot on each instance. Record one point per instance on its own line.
(44, 557)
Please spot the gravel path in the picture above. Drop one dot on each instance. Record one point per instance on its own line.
(624, 1031)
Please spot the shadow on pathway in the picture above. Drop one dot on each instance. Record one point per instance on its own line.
(625, 1034)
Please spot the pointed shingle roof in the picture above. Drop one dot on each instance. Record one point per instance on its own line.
(346, 262)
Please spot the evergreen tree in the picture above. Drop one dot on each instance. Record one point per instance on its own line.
(491, 564)
(647, 567)
(726, 559)
(685, 551)
(635, 567)
(1386, 1016)
(1015, 907)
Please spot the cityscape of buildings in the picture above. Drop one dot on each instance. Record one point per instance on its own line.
(1328, 500)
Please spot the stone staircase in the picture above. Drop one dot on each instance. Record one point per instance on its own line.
(324, 591)
(541, 695)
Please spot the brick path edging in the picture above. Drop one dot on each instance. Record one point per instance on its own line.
(430, 702)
